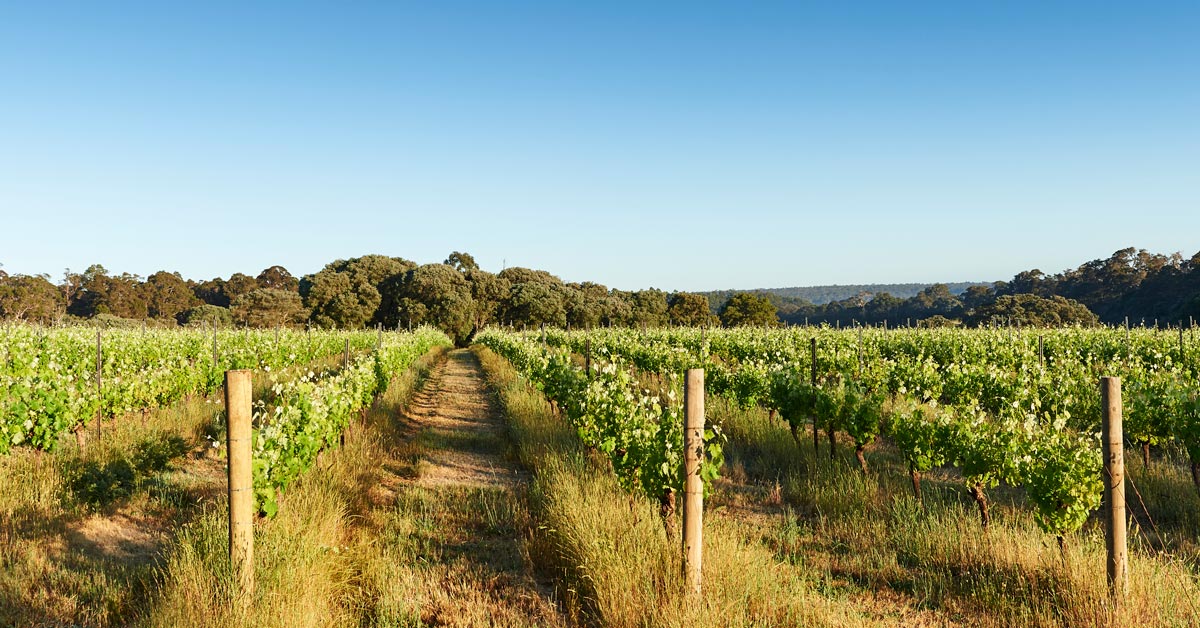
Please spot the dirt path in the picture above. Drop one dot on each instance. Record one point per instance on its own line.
(464, 435)
(457, 494)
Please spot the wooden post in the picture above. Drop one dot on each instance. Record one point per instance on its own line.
(1042, 349)
(215, 346)
(99, 398)
(812, 344)
(346, 356)
(378, 336)
(241, 483)
(1181, 353)
(277, 335)
(1114, 487)
(693, 486)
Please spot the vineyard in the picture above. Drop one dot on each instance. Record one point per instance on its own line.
(1000, 406)
(938, 473)
(998, 409)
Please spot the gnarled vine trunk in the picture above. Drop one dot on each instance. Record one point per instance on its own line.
(832, 443)
(862, 460)
(916, 484)
(666, 508)
(981, 500)
(1146, 454)
(1196, 474)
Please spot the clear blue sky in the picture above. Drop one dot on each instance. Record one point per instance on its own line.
(677, 145)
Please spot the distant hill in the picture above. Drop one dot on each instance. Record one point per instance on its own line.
(820, 295)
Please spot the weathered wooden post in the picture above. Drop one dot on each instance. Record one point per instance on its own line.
(241, 483)
(346, 356)
(1042, 349)
(693, 485)
(587, 357)
(1114, 487)
(378, 336)
(99, 397)
(215, 346)
(1181, 353)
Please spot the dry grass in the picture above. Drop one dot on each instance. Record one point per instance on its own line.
(74, 553)
(303, 567)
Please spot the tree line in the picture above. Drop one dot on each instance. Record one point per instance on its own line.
(1145, 287)
(460, 297)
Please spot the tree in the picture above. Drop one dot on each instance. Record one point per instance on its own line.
(976, 296)
(337, 301)
(444, 297)
(462, 262)
(489, 292)
(747, 309)
(167, 295)
(533, 304)
(101, 294)
(346, 293)
(936, 299)
(649, 308)
(268, 307)
(1028, 310)
(689, 310)
(206, 315)
(237, 285)
(212, 292)
(279, 278)
(585, 304)
(30, 298)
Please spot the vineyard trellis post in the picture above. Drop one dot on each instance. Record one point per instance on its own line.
(693, 484)
(346, 356)
(99, 397)
(238, 400)
(214, 328)
(1114, 487)
(816, 432)
(587, 357)
(1042, 349)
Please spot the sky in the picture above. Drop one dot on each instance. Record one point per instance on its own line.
(683, 146)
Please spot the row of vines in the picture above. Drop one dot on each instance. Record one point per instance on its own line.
(1021, 408)
(640, 433)
(308, 414)
(49, 384)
